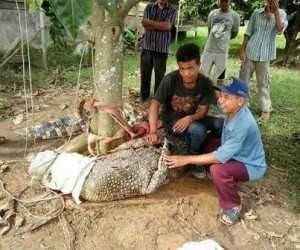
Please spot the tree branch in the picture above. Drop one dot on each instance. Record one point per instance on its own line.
(297, 42)
(128, 5)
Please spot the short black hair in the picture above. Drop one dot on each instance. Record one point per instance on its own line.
(188, 52)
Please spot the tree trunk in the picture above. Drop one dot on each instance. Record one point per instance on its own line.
(292, 31)
(292, 42)
(107, 26)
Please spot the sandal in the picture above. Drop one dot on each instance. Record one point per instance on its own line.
(2, 139)
(230, 216)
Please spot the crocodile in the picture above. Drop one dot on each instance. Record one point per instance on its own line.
(133, 169)
(67, 125)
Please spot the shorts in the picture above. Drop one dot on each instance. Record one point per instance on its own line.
(218, 60)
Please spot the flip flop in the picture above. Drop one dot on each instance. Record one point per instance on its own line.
(230, 217)
(2, 139)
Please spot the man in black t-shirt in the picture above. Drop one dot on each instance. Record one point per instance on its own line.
(185, 96)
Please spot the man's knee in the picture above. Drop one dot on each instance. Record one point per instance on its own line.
(197, 129)
(216, 171)
(218, 123)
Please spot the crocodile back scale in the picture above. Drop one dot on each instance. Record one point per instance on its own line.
(71, 125)
(132, 169)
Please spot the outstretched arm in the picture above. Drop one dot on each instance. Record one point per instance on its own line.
(175, 161)
(152, 137)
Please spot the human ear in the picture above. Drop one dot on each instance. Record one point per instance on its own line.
(240, 101)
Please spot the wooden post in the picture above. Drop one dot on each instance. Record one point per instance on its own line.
(137, 19)
(177, 25)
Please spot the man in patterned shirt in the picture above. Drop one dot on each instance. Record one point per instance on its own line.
(259, 48)
(158, 20)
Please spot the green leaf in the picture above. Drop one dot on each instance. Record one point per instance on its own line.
(34, 5)
(73, 14)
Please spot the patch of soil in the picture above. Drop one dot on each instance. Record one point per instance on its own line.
(182, 211)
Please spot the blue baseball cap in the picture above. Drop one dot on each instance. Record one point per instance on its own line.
(236, 87)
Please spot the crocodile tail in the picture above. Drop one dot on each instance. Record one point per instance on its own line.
(64, 126)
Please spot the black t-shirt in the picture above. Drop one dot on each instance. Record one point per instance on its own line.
(178, 101)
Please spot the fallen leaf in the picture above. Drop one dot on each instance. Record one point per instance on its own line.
(18, 119)
(18, 222)
(5, 229)
(3, 167)
(64, 106)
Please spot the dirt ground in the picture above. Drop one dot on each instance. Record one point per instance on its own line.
(184, 210)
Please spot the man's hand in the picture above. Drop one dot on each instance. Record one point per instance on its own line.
(243, 56)
(153, 138)
(175, 161)
(148, 24)
(182, 124)
(274, 6)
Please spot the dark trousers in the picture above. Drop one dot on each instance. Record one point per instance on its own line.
(225, 177)
(197, 131)
(151, 60)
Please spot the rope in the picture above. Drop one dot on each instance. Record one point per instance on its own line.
(98, 90)
(76, 97)
(22, 202)
(29, 69)
(24, 72)
(24, 81)
(102, 99)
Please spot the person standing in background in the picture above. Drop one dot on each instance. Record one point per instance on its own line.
(158, 20)
(223, 25)
(259, 47)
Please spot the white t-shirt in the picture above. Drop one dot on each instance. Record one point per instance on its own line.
(221, 24)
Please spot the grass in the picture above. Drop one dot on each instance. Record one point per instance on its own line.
(281, 153)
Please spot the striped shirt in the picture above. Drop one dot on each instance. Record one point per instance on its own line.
(158, 40)
(262, 35)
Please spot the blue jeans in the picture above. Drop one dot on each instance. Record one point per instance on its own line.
(197, 131)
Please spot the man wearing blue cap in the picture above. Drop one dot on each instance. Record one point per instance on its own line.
(240, 156)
